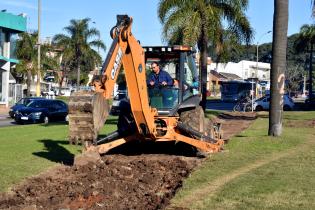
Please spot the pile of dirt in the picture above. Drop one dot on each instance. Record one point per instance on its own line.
(235, 122)
(117, 181)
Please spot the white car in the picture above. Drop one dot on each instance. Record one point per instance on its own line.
(263, 103)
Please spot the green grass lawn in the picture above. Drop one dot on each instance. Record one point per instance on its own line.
(254, 171)
(257, 171)
(30, 149)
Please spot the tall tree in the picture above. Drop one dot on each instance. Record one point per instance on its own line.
(80, 39)
(278, 66)
(196, 22)
(27, 54)
(305, 42)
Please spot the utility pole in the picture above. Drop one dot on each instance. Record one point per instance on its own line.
(38, 55)
(257, 46)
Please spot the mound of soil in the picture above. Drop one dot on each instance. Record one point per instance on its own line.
(117, 181)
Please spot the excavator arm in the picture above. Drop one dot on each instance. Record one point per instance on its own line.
(88, 110)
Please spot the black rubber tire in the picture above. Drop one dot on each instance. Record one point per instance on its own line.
(195, 118)
(286, 108)
(126, 124)
(248, 108)
(259, 108)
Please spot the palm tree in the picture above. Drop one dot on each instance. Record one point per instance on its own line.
(27, 54)
(305, 42)
(78, 41)
(199, 21)
(278, 66)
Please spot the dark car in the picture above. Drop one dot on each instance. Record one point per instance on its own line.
(21, 103)
(310, 103)
(45, 111)
(121, 95)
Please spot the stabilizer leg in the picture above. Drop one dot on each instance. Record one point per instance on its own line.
(202, 145)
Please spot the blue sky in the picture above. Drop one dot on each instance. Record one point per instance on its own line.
(56, 14)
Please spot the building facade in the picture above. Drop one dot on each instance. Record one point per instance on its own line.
(244, 69)
(10, 26)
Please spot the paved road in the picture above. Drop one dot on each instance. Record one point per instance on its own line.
(4, 121)
(211, 104)
(219, 105)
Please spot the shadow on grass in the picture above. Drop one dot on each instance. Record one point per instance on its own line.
(213, 112)
(56, 153)
(236, 117)
(54, 123)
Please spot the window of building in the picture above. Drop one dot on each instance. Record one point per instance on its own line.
(2, 39)
(13, 40)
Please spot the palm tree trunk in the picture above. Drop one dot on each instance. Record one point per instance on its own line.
(310, 86)
(60, 83)
(29, 82)
(203, 68)
(78, 73)
(279, 50)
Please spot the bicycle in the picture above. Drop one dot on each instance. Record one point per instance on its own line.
(243, 105)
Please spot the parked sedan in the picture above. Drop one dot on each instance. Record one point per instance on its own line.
(122, 95)
(21, 103)
(263, 103)
(42, 111)
(310, 103)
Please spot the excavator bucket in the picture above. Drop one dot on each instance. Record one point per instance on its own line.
(88, 112)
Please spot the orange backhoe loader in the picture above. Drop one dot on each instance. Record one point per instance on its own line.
(160, 113)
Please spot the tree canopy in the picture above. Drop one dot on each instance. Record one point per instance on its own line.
(201, 23)
(80, 40)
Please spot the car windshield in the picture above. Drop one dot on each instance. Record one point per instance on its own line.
(23, 101)
(260, 99)
(35, 104)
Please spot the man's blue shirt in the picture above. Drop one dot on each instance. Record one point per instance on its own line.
(163, 76)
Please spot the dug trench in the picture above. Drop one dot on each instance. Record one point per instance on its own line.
(135, 176)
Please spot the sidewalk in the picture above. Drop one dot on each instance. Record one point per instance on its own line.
(4, 112)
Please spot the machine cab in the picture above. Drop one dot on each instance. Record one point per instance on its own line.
(179, 63)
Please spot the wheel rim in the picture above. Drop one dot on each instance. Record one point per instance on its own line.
(46, 120)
